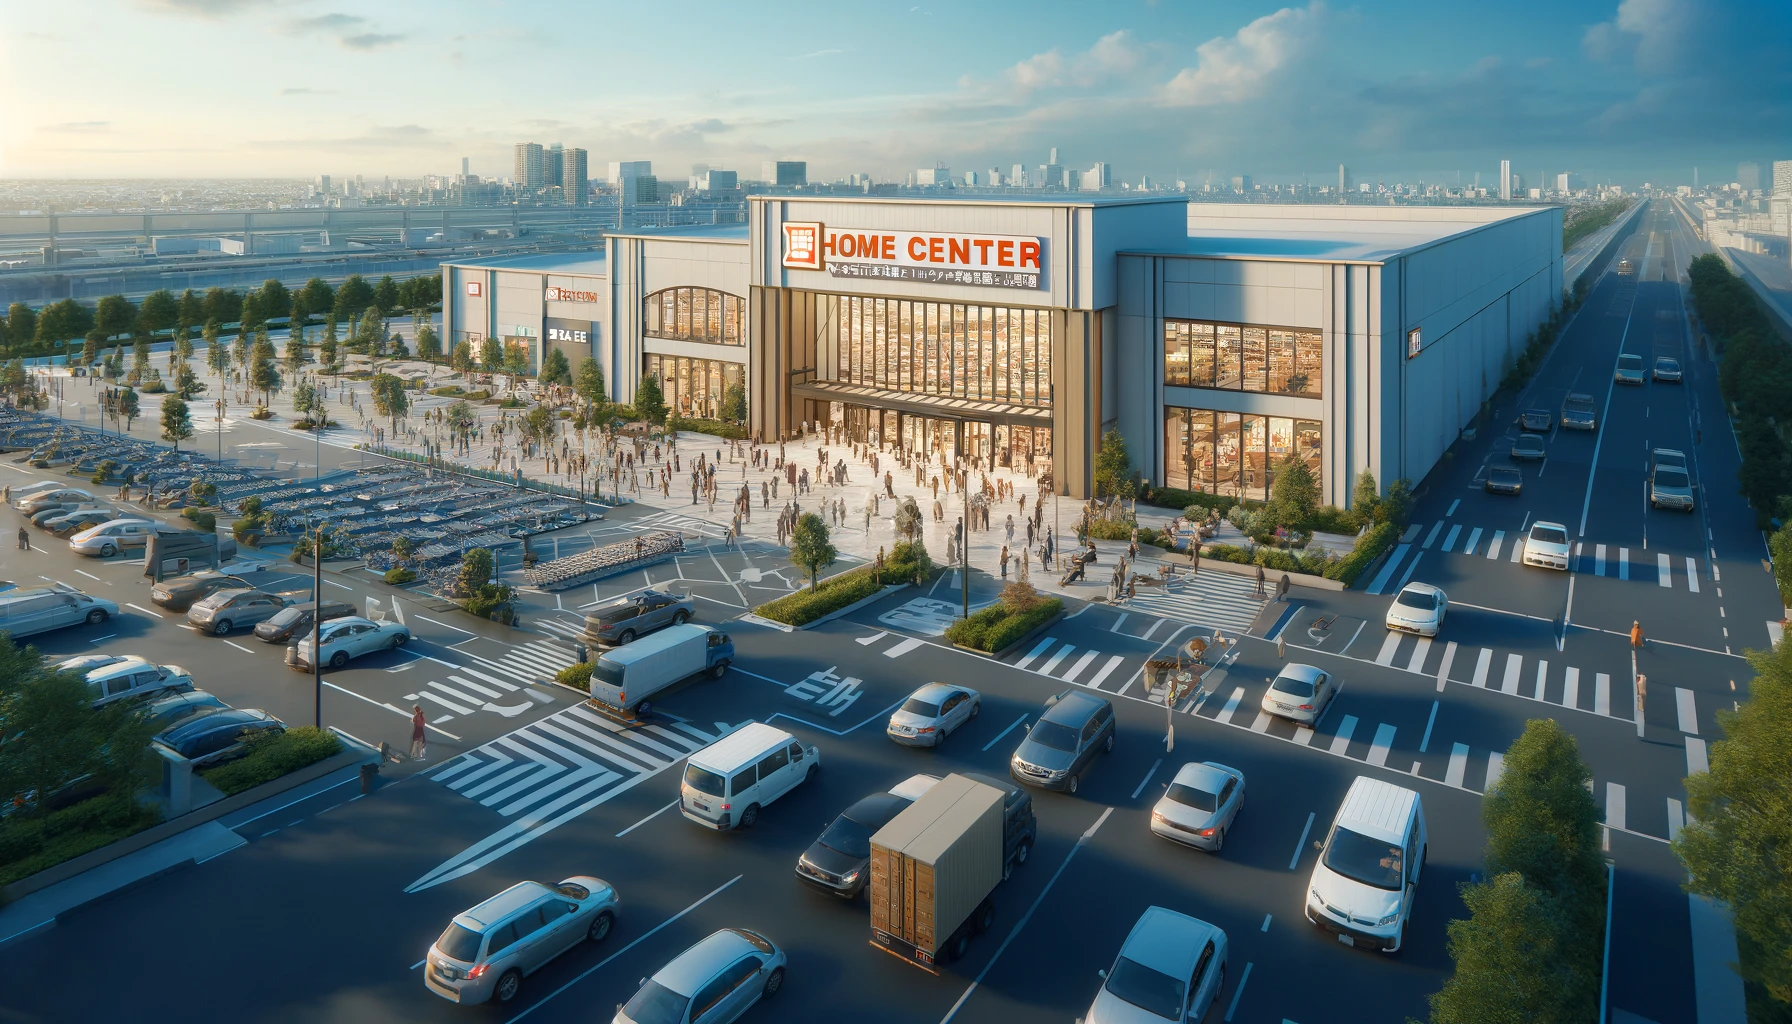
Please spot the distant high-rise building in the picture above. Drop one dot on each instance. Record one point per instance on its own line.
(1568, 181)
(1782, 179)
(622, 170)
(1097, 178)
(553, 165)
(530, 168)
(1054, 155)
(785, 173)
(939, 174)
(1017, 176)
(464, 165)
(1506, 179)
(574, 177)
(323, 184)
(1241, 183)
(995, 177)
(1051, 175)
(1343, 179)
(970, 178)
(1748, 176)
(715, 180)
(1073, 180)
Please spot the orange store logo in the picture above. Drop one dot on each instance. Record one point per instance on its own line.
(1003, 261)
(802, 245)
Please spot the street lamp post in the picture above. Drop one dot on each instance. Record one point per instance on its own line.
(317, 624)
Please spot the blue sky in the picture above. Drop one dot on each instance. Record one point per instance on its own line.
(1625, 91)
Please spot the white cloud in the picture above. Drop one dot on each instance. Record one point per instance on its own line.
(1240, 67)
(1114, 55)
(1656, 34)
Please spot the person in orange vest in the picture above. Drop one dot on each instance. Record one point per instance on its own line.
(1636, 635)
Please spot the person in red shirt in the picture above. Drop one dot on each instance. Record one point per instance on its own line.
(418, 745)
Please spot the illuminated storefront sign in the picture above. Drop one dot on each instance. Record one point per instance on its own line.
(558, 294)
(998, 261)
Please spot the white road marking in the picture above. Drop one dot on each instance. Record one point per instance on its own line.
(1340, 742)
(903, 648)
(1676, 819)
(1300, 847)
(1238, 993)
(1664, 570)
(1696, 759)
(1155, 626)
(1040, 649)
(1614, 805)
(647, 819)
(1493, 546)
(1453, 505)
(239, 647)
(1004, 732)
(1081, 664)
(432, 698)
(1602, 694)
(1450, 538)
(1496, 763)
(1055, 660)
(1225, 715)
(1686, 711)
(1474, 538)
(1388, 647)
(1417, 662)
(873, 638)
(1262, 722)
(1443, 671)
(1106, 670)
(1482, 663)
(1303, 735)
(1115, 628)
(1141, 786)
(1458, 764)
(1510, 683)
(1623, 563)
(1571, 687)
(1692, 574)
(1384, 741)
(146, 611)
(1542, 678)
(1599, 559)
(445, 625)
(1431, 537)
(1430, 720)
(1517, 551)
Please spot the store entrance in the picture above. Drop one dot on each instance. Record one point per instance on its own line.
(1024, 449)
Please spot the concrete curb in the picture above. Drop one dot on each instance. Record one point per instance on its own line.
(887, 590)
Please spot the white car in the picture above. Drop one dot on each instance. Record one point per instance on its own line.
(1300, 693)
(134, 678)
(932, 713)
(1171, 967)
(1547, 545)
(1418, 608)
(717, 979)
(347, 638)
(1199, 806)
(108, 539)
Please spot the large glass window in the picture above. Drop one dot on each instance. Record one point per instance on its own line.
(988, 353)
(1236, 357)
(694, 387)
(1226, 453)
(694, 314)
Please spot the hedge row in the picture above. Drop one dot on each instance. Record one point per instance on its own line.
(718, 428)
(32, 844)
(831, 595)
(576, 675)
(1756, 379)
(271, 757)
(996, 627)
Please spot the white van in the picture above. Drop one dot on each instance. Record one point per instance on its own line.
(1362, 887)
(726, 783)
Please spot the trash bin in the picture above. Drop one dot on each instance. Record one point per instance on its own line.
(369, 772)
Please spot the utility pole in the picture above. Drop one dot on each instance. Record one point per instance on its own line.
(964, 558)
(317, 626)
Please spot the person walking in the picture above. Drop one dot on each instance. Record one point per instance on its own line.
(1282, 588)
(1004, 561)
(24, 540)
(1636, 634)
(419, 744)
(1260, 579)
(1642, 692)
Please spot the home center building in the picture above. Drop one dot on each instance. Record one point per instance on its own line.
(1219, 340)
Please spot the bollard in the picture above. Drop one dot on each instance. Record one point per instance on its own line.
(369, 772)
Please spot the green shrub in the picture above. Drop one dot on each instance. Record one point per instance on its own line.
(1331, 519)
(1175, 497)
(477, 395)
(577, 676)
(1227, 553)
(1111, 529)
(831, 594)
(271, 757)
(262, 412)
(996, 627)
(153, 387)
(719, 428)
(32, 844)
(908, 563)
(452, 391)
(400, 575)
(1371, 544)
(203, 521)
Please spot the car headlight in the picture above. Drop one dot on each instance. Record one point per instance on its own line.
(1317, 899)
(1390, 919)
(851, 876)
(1060, 773)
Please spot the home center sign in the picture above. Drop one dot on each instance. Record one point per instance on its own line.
(930, 257)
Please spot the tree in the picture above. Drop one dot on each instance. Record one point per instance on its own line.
(128, 405)
(90, 347)
(385, 293)
(158, 312)
(296, 357)
(555, 369)
(1365, 500)
(477, 569)
(224, 305)
(1294, 497)
(734, 404)
(62, 320)
(429, 344)
(1739, 823)
(354, 296)
(1396, 504)
(253, 315)
(491, 355)
(516, 361)
(1114, 476)
(177, 421)
(115, 315)
(650, 402)
(1541, 819)
(21, 323)
(591, 387)
(1512, 964)
(326, 349)
(462, 359)
(187, 383)
(182, 350)
(191, 310)
(217, 354)
(140, 353)
(461, 418)
(810, 547)
(239, 347)
(275, 300)
(263, 377)
(318, 295)
(55, 735)
(389, 397)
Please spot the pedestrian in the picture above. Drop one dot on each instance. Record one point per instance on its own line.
(1636, 632)
(1010, 527)
(1194, 554)
(1260, 579)
(1642, 692)
(418, 742)
(1004, 561)
(24, 540)
(1282, 588)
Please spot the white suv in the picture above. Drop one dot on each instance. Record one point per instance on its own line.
(1547, 545)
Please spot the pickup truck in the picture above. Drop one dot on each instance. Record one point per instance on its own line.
(624, 680)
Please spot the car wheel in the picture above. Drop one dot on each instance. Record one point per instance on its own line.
(1219, 840)
(600, 927)
(987, 919)
(643, 709)
(1218, 987)
(396, 642)
(627, 637)
(960, 943)
(1108, 747)
(719, 671)
(108, 551)
(95, 617)
(814, 770)
(772, 984)
(339, 659)
(507, 986)
(749, 816)
(681, 618)
(976, 708)
(221, 627)
(1071, 787)
(1021, 854)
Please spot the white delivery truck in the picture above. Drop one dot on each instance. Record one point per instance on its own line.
(625, 679)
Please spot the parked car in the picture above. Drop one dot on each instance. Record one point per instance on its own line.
(222, 736)
(181, 592)
(485, 952)
(108, 539)
(1547, 546)
(1200, 805)
(350, 637)
(1300, 693)
(1671, 488)
(65, 498)
(22, 495)
(622, 621)
(134, 678)
(1667, 369)
(1363, 883)
(1629, 369)
(1578, 413)
(28, 610)
(1061, 747)
(1171, 967)
(1539, 420)
(837, 862)
(165, 711)
(80, 519)
(43, 517)
(1503, 480)
(294, 621)
(222, 611)
(1418, 608)
(717, 979)
(1528, 446)
(932, 713)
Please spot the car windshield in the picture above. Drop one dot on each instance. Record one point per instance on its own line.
(1667, 364)
(286, 616)
(1671, 478)
(1293, 685)
(1579, 405)
(1416, 599)
(917, 706)
(1530, 442)
(847, 836)
(459, 943)
(1146, 989)
(703, 780)
(656, 1004)
(1505, 473)
(1369, 861)
(1548, 535)
(1537, 414)
(1190, 796)
(1630, 362)
(1053, 735)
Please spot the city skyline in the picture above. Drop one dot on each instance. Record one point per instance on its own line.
(1273, 91)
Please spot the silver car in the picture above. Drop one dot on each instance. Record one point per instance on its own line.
(1667, 369)
(1671, 488)
(487, 951)
(1630, 369)
(108, 539)
(1528, 446)
(226, 610)
(1171, 967)
(932, 713)
(134, 678)
(716, 980)
(620, 622)
(348, 638)
(1199, 806)
(1300, 693)
(28, 610)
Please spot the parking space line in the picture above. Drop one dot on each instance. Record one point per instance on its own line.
(640, 939)
(146, 611)
(344, 586)
(1238, 992)
(1686, 711)
(239, 647)
(1004, 732)
(1028, 916)
(1141, 787)
(1696, 758)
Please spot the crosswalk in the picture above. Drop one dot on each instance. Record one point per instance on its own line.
(1541, 679)
(562, 627)
(501, 686)
(1048, 656)
(1212, 599)
(550, 772)
(1592, 559)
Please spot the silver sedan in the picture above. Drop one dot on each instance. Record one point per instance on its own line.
(1300, 693)
(932, 713)
(1199, 806)
(351, 637)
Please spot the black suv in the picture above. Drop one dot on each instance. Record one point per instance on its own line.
(1062, 745)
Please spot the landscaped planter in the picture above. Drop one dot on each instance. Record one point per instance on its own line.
(1026, 638)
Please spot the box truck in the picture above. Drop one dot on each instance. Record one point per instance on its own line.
(625, 679)
(933, 870)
